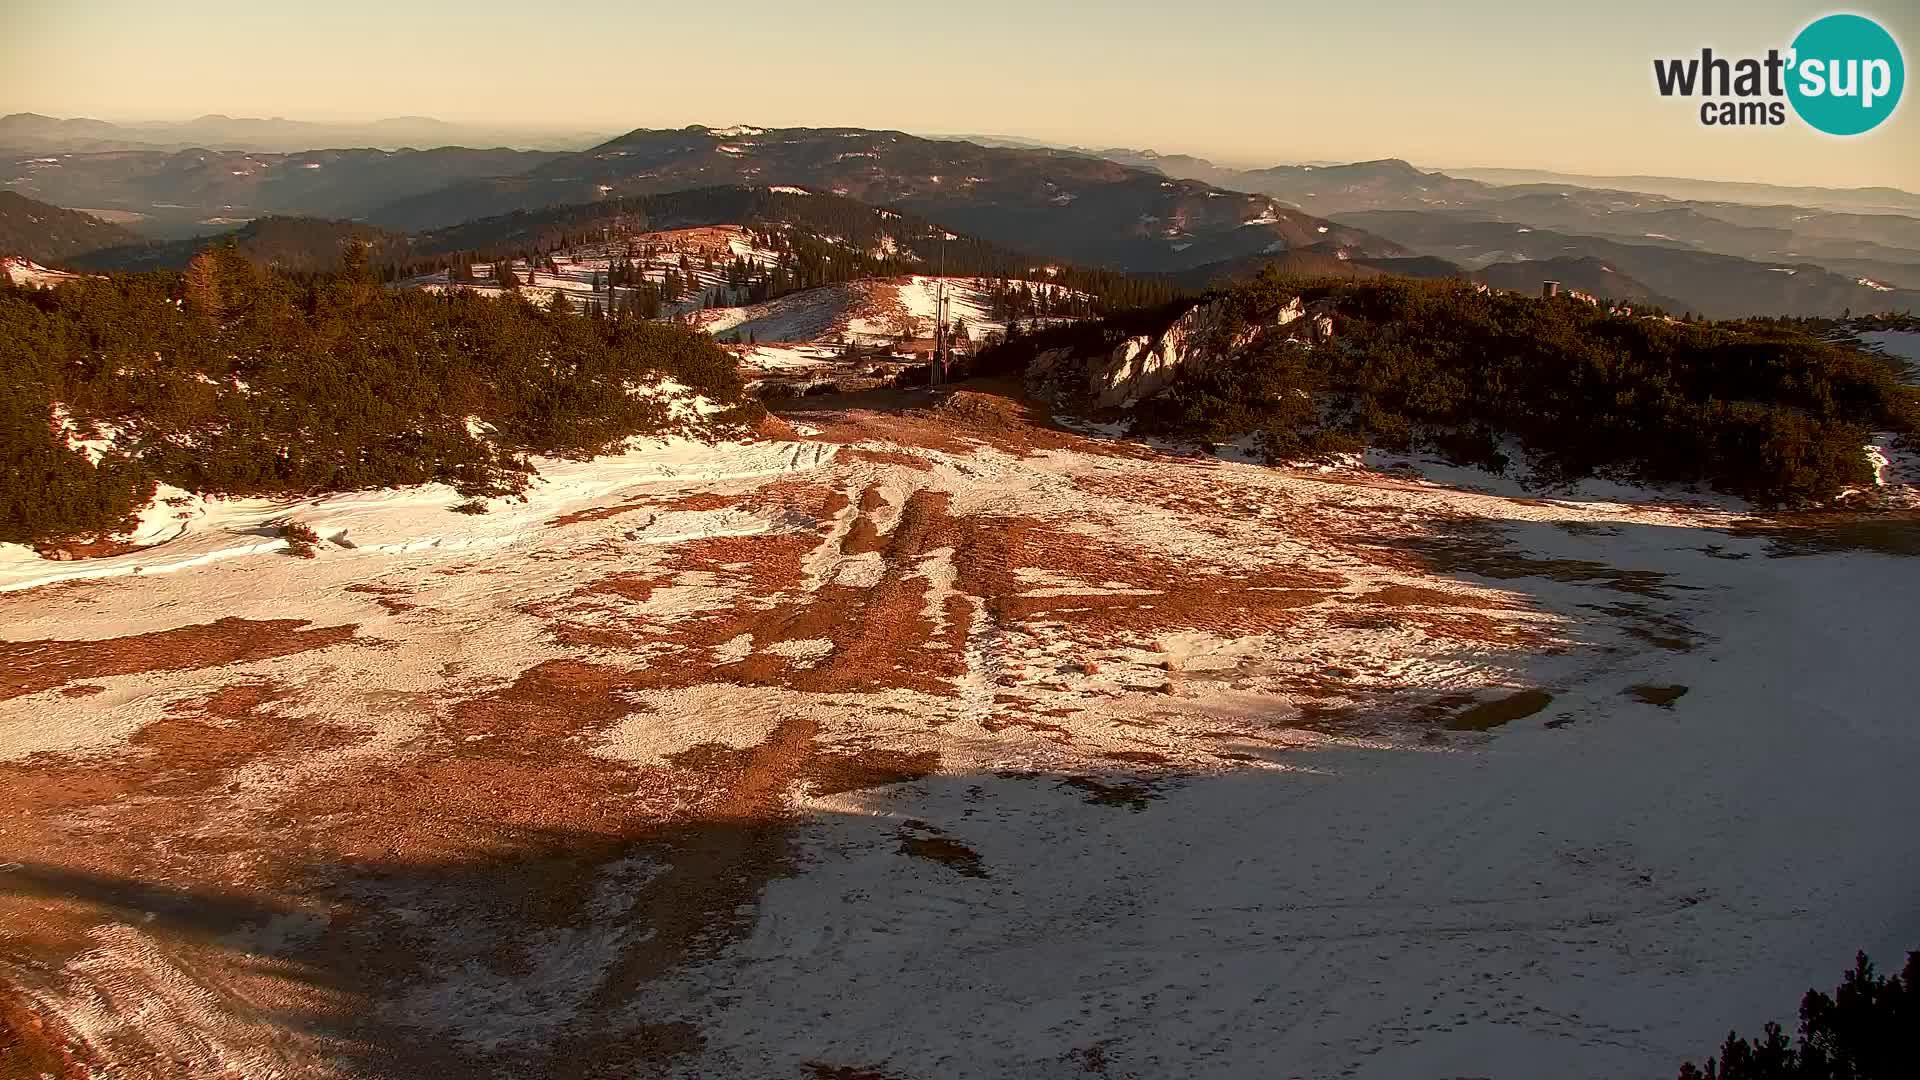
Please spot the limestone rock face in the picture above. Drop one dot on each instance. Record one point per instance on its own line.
(1143, 365)
(1289, 313)
(1138, 367)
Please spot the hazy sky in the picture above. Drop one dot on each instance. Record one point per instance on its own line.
(1472, 82)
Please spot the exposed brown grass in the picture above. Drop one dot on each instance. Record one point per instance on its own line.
(1417, 596)
(1892, 533)
(97, 548)
(30, 1047)
(1503, 710)
(29, 667)
(837, 772)
(885, 457)
(387, 596)
(1663, 696)
(946, 851)
(696, 500)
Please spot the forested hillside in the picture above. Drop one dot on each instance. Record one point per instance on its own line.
(235, 380)
(1762, 410)
(821, 240)
(49, 234)
(177, 192)
(294, 244)
(1703, 282)
(1076, 207)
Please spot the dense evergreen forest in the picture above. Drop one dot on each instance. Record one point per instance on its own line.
(49, 234)
(238, 380)
(298, 245)
(1767, 411)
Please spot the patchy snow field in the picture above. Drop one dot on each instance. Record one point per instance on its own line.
(940, 742)
(795, 338)
(1903, 344)
(700, 255)
(1896, 462)
(870, 311)
(27, 272)
(799, 338)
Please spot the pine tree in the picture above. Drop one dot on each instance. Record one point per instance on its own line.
(202, 281)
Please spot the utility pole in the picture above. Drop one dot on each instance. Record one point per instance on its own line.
(606, 241)
(937, 371)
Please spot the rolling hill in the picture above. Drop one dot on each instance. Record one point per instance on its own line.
(295, 244)
(1863, 200)
(1076, 207)
(1882, 246)
(188, 190)
(214, 131)
(1587, 275)
(45, 233)
(1583, 274)
(1720, 286)
(1361, 185)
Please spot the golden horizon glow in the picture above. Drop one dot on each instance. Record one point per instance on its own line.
(1472, 84)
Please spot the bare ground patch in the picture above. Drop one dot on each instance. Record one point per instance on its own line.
(1895, 533)
(1504, 710)
(1663, 696)
(29, 667)
(923, 841)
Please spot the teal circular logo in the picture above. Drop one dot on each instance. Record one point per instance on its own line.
(1847, 74)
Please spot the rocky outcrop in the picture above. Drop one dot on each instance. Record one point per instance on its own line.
(1137, 367)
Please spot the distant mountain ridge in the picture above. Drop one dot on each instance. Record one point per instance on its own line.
(1173, 215)
(1576, 274)
(180, 191)
(1707, 283)
(1842, 200)
(1071, 205)
(1725, 258)
(1865, 199)
(830, 239)
(216, 131)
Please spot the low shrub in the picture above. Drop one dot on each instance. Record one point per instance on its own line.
(300, 538)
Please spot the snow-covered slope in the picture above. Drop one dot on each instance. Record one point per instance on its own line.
(937, 741)
(181, 530)
(872, 311)
(1903, 345)
(1896, 462)
(799, 337)
(27, 272)
(698, 255)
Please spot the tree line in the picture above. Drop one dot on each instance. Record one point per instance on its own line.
(234, 379)
(1867, 1029)
(1764, 410)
